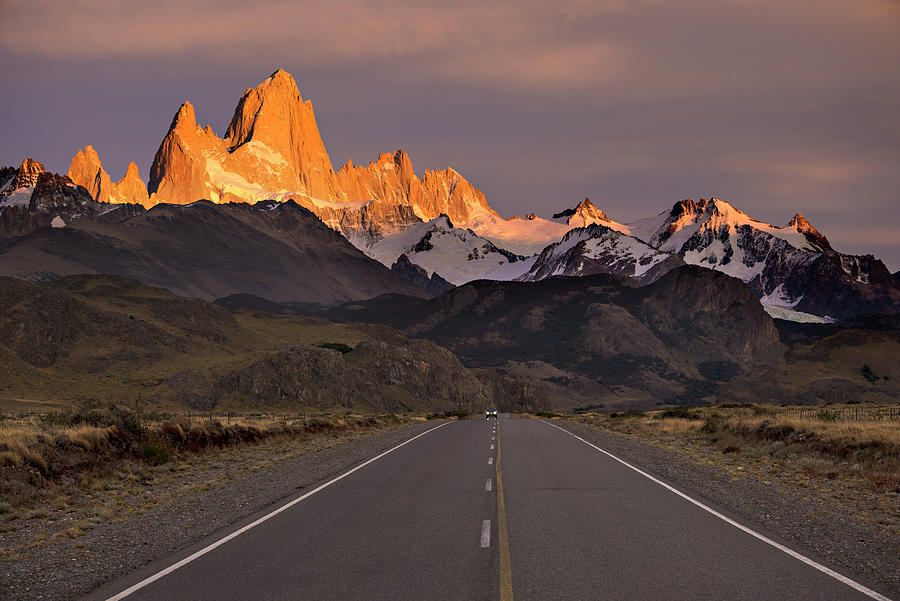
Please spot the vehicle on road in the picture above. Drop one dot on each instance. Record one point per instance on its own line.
(490, 414)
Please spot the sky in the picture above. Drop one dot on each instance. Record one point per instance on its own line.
(777, 106)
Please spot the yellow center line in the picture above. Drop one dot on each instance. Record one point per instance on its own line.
(506, 593)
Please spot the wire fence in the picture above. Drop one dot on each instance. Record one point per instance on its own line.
(846, 413)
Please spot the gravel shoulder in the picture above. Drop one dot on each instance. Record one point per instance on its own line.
(224, 490)
(849, 530)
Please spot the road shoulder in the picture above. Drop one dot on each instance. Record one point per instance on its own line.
(63, 570)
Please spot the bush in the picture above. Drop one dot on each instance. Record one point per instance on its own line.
(826, 416)
(712, 424)
(629, 413)
(680, 413)
(547, 414)
(868, 374)
(337, 346)
(157, 451)
(457, 413)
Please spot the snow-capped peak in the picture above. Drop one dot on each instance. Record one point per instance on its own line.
(582, 215)
(598, 248)
(456, 254)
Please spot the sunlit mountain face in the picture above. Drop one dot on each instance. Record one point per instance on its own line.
(272, 151)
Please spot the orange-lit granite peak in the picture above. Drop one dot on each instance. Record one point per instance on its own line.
(275, 130)
(272, 149)
(131, 188)
(87, 170)
(179, 171)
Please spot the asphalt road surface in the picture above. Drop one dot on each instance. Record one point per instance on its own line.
(486, 510)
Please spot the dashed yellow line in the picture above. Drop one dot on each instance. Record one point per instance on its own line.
(506, 593)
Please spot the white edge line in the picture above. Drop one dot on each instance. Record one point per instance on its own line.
(485, 534)
(151, 579)
(839, 577)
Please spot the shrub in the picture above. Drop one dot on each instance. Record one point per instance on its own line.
(680, 413)
(826, 415)
(9, 458)
(547, 414)
(337, 346)
(629, 413)
(457, 413)
(868, 374)
(174, 432)
(711, 424)
(157, 452)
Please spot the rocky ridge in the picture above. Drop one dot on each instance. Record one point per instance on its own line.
(32, 198)
(675, 340)
(277, 250)
(790, 267)
(598, 249)
(87, 170)
(273, 149)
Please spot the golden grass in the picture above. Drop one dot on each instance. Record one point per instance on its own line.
(113, 490)
(863, 432)
(866, 450)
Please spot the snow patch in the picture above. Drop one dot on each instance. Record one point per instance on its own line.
(263, 152)
(521, 236)
(57, 222)
(18, 198)
(779, 298)
(458, 255)
(798, 316)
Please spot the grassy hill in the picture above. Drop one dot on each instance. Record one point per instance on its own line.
(113, 339)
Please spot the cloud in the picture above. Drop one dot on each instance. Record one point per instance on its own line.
(779, 106)
(329, 30)
(811, 170)
(620, 49)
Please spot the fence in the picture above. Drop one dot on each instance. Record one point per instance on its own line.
(846, 413)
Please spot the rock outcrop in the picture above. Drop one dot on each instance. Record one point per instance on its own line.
(417, 375)
(583, 215)
(406, 269)
(87, 170)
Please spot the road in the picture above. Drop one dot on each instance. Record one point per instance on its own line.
(502, 509)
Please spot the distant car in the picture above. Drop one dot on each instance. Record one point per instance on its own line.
(490, 414)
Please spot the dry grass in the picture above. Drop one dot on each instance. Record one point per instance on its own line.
(22, 443)
(36, 452)
(865, 451)
(106, 486)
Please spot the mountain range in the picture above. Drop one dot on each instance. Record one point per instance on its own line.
(427, 233)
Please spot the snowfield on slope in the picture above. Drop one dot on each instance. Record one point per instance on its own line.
(455, 254)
